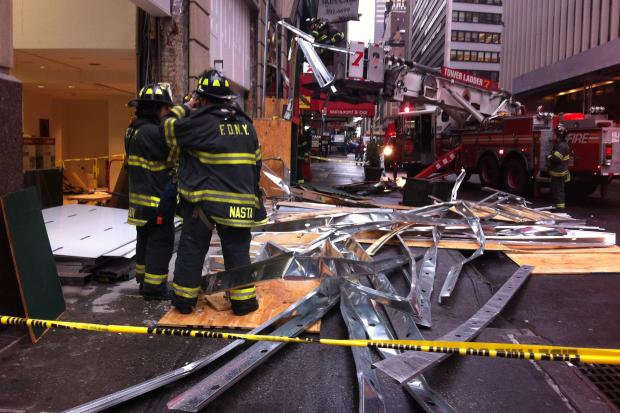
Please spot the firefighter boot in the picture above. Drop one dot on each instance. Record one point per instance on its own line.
(161, 293)
(243, 301)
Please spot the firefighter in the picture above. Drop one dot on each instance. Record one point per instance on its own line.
(558, 167)
(304, 146)
(218, 179)
(152, 192)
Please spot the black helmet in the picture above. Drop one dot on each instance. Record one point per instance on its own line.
(561, 131)
(153, 92)
(213, 84)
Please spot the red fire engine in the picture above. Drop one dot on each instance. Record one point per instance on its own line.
(452, 120)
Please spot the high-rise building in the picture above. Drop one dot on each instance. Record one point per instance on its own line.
(379, 20)
(563, 55)
(461, 34)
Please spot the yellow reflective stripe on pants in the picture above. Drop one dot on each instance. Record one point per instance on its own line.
(155, 279)
(558, 174)
(140, 268)
(243, 294)
(220, 196)
(154, 166)
(258, 155)
(137, 222)
(144, 200)
(187, 292)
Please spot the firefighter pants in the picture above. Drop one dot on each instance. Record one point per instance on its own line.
(557, 191)
(154, 245)
(193, 247)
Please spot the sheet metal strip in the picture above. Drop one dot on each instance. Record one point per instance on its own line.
(121, 396)
(311, 310)
(369, 389)
(409, 364)
(455, 271)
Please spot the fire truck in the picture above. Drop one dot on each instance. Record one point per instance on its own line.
(451, 120)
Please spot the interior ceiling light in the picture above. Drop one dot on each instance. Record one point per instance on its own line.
(71, 87)
(41, 67)
(40, 86)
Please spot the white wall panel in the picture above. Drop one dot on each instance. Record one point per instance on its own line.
(563, 22)
(230, 38)
(585, 31)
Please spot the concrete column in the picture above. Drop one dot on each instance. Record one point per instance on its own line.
(615, 20)
(595, 25)
(571, 25)
(175, 49)
(604, 34)
(578, 26)
(11, 174)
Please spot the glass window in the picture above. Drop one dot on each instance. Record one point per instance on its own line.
(495, 38)
(461, 16)
(452, 54)
(459, 55)
(455, 16)
(461, 36)
(466, 55)
(454, 33)
(475, 17)
(468, 36)
(480, 37)
(467, 16)
(487, 57)
(489, 38)
(481, 56)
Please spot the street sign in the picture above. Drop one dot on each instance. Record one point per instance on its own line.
(356, 60)
(338, 11)
(469, 78)
(376, 70)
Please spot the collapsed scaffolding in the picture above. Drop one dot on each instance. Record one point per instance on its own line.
(310, 241)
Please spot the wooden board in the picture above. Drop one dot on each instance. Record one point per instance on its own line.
(557, 263)
(274, 296)
(35, 269)
(275, 139)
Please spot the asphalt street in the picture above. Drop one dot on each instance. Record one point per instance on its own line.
(67, 368)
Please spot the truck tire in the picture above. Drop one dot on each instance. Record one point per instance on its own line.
(516, 177)
(489, 171)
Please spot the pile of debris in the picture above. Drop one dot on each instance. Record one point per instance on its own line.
(337, 246)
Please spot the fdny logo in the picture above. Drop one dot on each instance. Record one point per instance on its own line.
(230, 129)
(578, 138)
(240, 212)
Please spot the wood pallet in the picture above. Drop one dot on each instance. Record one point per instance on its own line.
(274, 297)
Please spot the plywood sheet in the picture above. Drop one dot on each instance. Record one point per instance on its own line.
(274, 296)
(557, 263)
(275, 139)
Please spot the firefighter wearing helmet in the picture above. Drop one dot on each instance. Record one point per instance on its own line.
(558, 167)
(152, 191)
(219, 171)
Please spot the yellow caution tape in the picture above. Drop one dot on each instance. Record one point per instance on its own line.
(320, 158)
(495, 350)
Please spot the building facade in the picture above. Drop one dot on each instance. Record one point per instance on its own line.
(461, 34)
(564, 55)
